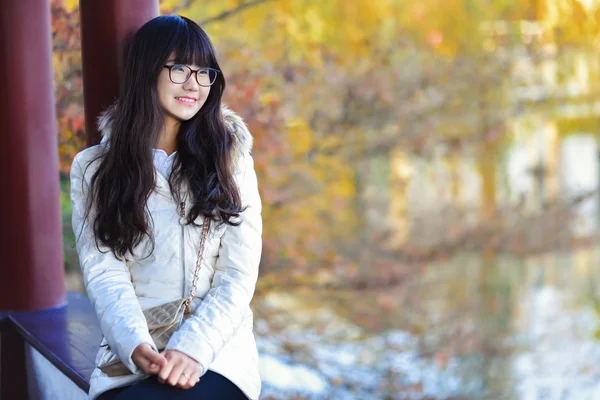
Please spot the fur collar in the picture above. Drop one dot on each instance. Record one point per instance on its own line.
(236, 126)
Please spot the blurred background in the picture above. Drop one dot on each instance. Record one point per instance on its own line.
(429, 173)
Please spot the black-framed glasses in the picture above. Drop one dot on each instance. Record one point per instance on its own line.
(179, 73)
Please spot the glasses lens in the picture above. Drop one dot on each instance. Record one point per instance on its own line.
(180, 73)
(207, 76)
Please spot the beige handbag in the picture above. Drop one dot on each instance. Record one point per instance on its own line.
(162, 320)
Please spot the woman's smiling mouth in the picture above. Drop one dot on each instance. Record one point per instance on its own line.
(186, 100)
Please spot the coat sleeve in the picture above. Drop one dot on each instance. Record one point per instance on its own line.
(221, 312)
(107, 280)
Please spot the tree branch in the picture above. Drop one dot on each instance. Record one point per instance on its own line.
(182, 6)
(228, 13)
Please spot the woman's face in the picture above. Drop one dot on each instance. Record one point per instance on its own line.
(180, 101)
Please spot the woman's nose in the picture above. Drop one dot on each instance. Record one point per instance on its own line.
(192, 83)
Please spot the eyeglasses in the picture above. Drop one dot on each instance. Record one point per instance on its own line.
(180, 73)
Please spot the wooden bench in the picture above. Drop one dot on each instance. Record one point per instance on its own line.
(49, 354)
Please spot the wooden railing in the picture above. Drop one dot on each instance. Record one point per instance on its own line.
(42, 353)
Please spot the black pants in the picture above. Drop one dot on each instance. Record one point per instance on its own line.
(211, 386)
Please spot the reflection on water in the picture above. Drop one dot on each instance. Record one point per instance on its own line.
(505, 328)
(579, 174)
(534, 167)
(476, 326)
(531, 322)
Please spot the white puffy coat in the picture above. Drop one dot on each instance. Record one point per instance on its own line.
(219, 334)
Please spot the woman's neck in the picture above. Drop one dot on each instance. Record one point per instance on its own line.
(168, 136)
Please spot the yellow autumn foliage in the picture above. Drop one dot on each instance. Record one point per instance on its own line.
(70, 5)
(311, 60)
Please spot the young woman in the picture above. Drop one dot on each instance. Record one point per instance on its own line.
(172, 159)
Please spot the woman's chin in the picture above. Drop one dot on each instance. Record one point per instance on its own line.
(185, 116)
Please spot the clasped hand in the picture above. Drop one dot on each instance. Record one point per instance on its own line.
(171, 366)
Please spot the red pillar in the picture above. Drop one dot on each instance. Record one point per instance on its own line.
(106, 26)
(31, 250)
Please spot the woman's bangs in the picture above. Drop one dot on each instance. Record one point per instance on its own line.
(192, 49)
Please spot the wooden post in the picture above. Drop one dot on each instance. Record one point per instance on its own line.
(13, 370)
(31, 267)
(106, 27)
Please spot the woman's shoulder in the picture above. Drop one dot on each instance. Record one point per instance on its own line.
(87, 158)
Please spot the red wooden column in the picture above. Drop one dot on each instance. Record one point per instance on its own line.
(106, 27)
(31, 249)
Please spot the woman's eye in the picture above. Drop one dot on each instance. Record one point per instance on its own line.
(177, 68)
(203, 72)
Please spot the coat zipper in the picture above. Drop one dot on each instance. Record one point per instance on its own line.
(181, 248)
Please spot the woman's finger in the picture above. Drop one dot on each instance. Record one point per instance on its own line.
(140, 358)
(165, 372)
(175, 373)
(194, 379)
(148, 360)
(152, 369)
(184, 379)
(157, 359)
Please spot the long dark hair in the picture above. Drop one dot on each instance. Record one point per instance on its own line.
(125, 177)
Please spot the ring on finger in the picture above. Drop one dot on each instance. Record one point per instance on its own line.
(187, 376)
